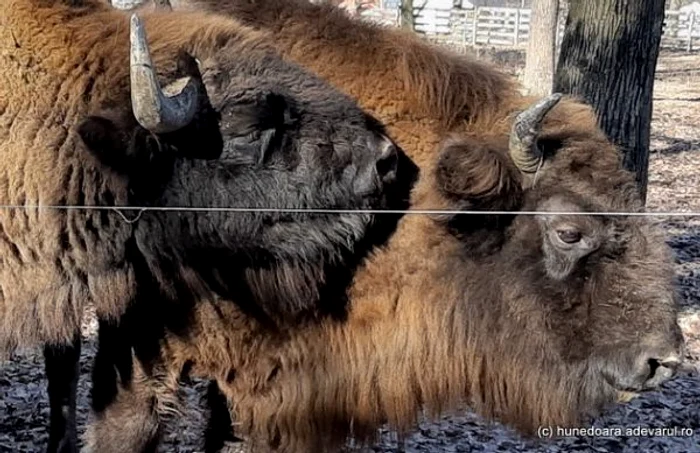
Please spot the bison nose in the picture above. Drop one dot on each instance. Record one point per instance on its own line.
(647, 369)
(659, 370)
(388, 161)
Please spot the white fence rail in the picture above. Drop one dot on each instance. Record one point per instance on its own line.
(509, 27)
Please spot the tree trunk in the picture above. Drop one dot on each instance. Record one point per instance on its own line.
(539, 62)
(407, 19)
(608, 57)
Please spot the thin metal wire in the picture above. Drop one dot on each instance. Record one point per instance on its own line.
(143, 209)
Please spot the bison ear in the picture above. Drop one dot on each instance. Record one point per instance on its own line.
(549, 146)
(103, 140)
(477, 175)
(107, 141)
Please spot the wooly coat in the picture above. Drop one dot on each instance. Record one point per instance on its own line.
(533, 320)
(83, 122)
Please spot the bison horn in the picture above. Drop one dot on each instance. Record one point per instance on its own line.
(523, 136)
(153, 108)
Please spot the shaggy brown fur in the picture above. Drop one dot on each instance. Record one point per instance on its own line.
(418, 337)
(488, 311)
(55, 262)
(420, 91)
(57, 67)
(265, 134)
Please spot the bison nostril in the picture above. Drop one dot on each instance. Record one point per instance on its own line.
(646, 372)
(661, 370)
(654, 364)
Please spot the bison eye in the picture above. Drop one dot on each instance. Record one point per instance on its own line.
(569, 236)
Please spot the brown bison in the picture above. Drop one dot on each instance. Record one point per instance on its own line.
(84, 122)
(531, 319)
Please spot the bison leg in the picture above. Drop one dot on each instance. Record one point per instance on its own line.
(219, 429)
(128, 425)
(62, 373)
(128, 403)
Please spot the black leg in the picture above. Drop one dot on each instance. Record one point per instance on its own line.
(124, 398)
(62, 372)
(219, 428)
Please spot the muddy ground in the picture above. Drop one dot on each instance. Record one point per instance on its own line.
(674, 186)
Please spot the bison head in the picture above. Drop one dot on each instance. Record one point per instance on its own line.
(572, 309)
(250, 132)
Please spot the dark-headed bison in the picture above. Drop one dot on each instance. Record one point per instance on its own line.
(84, 122)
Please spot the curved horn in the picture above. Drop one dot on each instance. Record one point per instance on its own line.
(523, 135)
(153, 108)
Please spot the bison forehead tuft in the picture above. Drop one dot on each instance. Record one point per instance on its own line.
(264, 70)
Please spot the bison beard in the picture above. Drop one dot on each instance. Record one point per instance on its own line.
(237, 127)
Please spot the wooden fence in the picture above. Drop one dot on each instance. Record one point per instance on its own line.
(509, 27)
